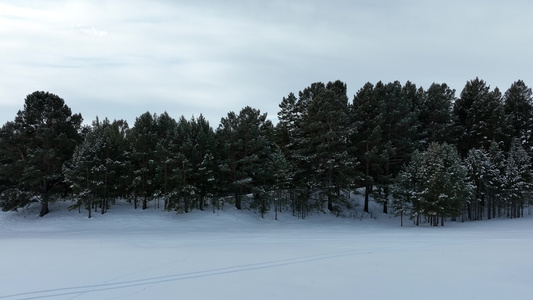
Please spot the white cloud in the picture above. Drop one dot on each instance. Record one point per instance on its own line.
(91, 30)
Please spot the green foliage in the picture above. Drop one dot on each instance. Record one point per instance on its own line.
(34, 147)
(479, 117)
(245, 143)
(518, 107)
(433, 184)
(321, 148)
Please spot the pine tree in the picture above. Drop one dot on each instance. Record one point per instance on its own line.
(387, 122)
(245, 140)
(436, 114)
(368, 118)
(518, 106)
(97, 166)
(143, 140)
(202, 159)
(479, 117)
(517, 180)
(482, 174)
(407, 186)
(434, 184)
(184, 171)
(166, 149)
(37, 144)
(326, 130)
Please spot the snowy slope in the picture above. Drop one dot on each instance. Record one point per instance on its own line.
(135, 254)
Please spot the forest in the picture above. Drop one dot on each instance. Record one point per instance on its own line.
(425, 154)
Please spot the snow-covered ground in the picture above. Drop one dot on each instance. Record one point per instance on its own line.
(135, 254)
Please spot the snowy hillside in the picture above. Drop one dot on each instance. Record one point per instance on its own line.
(135, 254)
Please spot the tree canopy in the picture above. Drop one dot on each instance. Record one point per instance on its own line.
(421, 152)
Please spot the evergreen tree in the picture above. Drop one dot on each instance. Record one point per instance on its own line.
(245, 141)
(517, 180)
(434, 184)
(78, 172)
(36, 145)
(479, 117)
(435, 114)
(518, 106)
(185, 189)
(387, 120)
(326, 131)
(143, 141)
(368, 117)
(406, 188)
(483, 174)
(400, 132)
(166, 149)
(96, 169)
(202, 160)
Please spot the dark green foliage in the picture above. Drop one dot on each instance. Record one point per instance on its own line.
(34, 148)
(436, 114)
(517, 180)
(434, 184)
(245, 143)
(367, 116)
(518, 106)
(314, 131)
(321, 150)
(386, 116)
(143, 156)
(97, 172)
(479, 117)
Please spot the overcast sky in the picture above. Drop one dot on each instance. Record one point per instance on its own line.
(119, 59)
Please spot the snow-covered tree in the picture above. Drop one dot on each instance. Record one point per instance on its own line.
(517, 180)
(434, 184)
(96, 170)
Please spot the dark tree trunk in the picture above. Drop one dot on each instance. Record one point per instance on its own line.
(145, 203)
(386, 200)
(238, 202)
(44, 208)
(367, 194)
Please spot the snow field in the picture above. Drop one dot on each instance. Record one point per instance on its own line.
(134, 254)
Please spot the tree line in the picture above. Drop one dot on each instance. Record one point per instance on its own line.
(422, 153)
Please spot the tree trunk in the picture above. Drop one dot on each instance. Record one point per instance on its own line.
(386, 201)
(44, 208)
(238, 202)
(276, 207)
(367, 194)
(201, 203)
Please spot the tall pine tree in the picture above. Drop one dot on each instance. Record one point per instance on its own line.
(40, 140)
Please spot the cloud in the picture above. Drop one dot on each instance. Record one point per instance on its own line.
(90, 30)
(121, 58)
